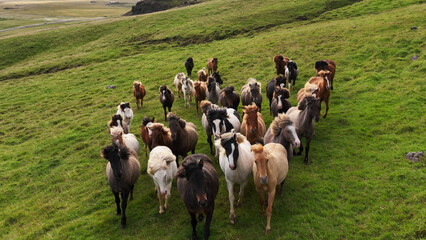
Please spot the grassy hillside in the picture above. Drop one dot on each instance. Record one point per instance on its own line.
(55, 107)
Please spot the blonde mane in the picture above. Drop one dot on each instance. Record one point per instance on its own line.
(280, 122)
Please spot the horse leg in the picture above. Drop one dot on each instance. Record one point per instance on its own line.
(261, 201)
(131, 192)
(169, 189)
(319, 108)
(300, 149)
(160, 199)
(117, 202)
(281, 187)
(165, 113)
(230, 186)
(209, 140)
(194, 225)
(271, 196)
(177, 160)
(124, 196)
(308, 142)
(326, 107)
(207, 224)
(240, 195)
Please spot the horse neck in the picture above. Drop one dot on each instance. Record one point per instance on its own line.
(304, 120)
(283, 140)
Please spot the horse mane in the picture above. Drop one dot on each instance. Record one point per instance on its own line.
(322, 73)
(310, 87)
(229, 90)
(158, 126)
(122, 152)
(171, 116)
(257, 148)
(280, 122)
(191, 160)
(225, 137)
(284, 91)
(253, 80)
(116, 132)
(147, 120)
(136, 82)
(159, 161)
(216, 112)
(250, 108)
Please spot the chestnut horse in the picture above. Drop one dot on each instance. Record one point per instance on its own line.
(229, 98)
(270, 170)
(323, 89)
(139, 92)
(329, 65)
(202, 75)
(146, 133)
(198, 185)
(212, 65)
(280, 64)
(199, 92)
(253, 126)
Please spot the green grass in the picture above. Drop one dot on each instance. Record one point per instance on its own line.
(55, 106)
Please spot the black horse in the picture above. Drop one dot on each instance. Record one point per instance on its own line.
(166, 98)
(198, 185)
(189, 65)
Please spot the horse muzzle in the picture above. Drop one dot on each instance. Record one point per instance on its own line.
(263, 180)
(202, 200)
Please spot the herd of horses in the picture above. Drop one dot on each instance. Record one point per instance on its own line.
(243, 148)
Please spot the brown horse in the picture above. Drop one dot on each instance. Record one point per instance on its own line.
(202, 75)
(145, 133)
(229, 98)
(212, 65)
(280, 64)
(270, 169)
(122, 171)
(139, 92)
(251, 92)
(199, 92)
(198, 185)
(184, 136)
(253, 126)
(329, 65)
(160, 135)
(323, 89)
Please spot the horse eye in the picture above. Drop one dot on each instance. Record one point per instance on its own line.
(255, 162)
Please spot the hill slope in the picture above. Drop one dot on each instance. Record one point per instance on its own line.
(55, 106)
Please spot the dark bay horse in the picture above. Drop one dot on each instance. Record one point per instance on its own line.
(229, 98)
(189, 65)
(198, 185)
(278, 81)
(184, 136)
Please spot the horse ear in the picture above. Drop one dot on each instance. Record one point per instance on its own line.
(181, 173)
(182, 123)
(302, 104)
(153, 119)
(200, 162)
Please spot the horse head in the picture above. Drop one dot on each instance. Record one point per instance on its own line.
(192, 170)
(251, 118)
(114, 154)
(228, 141)
(280, 81)
(216, 118)
(261, 163)
(310, 104)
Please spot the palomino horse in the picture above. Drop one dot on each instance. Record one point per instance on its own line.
(253, 126)
(236, 161)
(198, 185)
(139, 93)
(269, 170)
(303, 116)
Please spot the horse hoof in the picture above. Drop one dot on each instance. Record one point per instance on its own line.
(123, 226)
(267, 231)
(232, 218)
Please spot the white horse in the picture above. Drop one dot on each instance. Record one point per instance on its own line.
(236, 161)
(126, 113)
(119, 138)
(178, 82)
(162, 168)
(187, 87)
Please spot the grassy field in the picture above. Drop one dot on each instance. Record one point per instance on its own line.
(55, 107)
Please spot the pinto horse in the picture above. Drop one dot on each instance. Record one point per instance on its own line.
(139, 93)
(280, 102)
(205, 106)
(253, 126)
(166, 98)
(229, 98)
(291, 73)
(278, 81)
(236, 161)
(323, 89)
(117, 121)
(270, 170)
(329, 65)
(198, 185)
